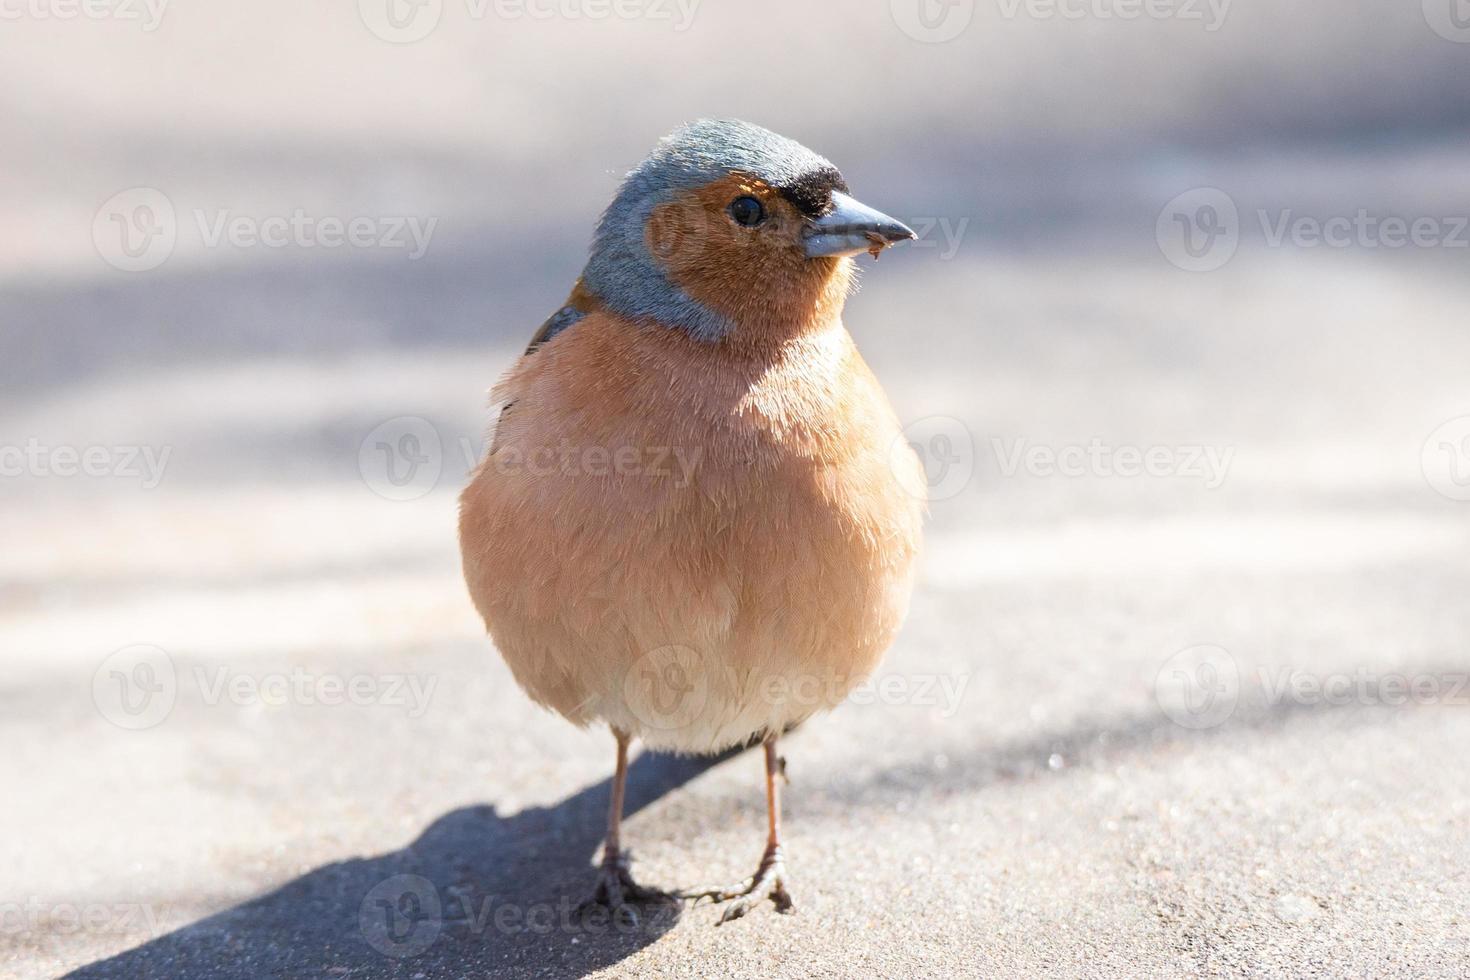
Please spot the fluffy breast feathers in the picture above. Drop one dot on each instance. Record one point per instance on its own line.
(696, 543)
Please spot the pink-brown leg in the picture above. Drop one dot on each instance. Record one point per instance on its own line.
(769, 878)
(616, 890)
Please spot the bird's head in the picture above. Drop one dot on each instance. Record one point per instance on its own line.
(727, 228)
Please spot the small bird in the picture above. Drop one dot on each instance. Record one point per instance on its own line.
(697, 521)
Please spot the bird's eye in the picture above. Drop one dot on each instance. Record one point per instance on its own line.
(747, 211)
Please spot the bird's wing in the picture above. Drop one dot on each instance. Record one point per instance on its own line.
(578, 305)
(555, 324)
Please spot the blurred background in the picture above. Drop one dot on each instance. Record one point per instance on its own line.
(1183, 343)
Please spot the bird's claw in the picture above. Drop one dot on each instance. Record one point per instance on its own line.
(767, 882)
(620, 895)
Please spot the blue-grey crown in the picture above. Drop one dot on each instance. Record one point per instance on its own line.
(625, 275)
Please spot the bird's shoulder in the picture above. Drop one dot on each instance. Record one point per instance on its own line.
(607, 374)
(577, 306)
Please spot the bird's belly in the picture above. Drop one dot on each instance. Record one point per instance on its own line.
(692, 549)
(696, 607)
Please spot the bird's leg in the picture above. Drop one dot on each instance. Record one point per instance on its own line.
(769, 878)
(616, 890)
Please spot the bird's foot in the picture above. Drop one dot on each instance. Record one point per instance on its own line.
(621, 897)
(767, 882)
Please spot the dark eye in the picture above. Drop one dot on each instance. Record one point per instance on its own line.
(747, 211)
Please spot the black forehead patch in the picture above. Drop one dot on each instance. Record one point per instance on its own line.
(812, 191)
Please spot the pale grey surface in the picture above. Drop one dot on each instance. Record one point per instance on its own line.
(1057, 821)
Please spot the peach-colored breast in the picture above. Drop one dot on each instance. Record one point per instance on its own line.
(695, 544)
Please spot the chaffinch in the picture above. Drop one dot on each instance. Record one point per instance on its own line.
(696, 522)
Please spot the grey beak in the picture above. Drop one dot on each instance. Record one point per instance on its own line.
(852, 227)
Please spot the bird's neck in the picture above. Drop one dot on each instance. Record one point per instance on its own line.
(755, 309)
(766, 317)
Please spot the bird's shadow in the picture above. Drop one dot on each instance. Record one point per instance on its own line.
(477, 893)
(483, 894)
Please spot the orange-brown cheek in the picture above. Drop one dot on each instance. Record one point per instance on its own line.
(738, 272)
